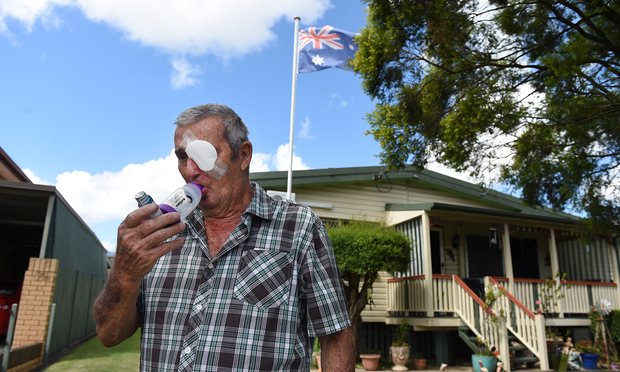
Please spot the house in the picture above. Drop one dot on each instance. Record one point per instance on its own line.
(465, 237)
(51, 263)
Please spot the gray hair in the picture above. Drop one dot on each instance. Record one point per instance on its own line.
(235, 130)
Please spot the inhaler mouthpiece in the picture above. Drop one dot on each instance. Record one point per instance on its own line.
(204, 155)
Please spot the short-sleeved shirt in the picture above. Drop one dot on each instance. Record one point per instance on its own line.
(255, 306)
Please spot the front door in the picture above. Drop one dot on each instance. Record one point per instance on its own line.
(524, 254)
(483, 259)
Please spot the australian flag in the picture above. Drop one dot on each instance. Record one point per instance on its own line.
(325, 47)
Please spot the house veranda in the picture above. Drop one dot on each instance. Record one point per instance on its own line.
(465, 238)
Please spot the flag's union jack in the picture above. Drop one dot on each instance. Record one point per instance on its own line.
(325, 37)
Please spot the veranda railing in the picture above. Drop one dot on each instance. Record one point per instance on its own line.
(574, 297)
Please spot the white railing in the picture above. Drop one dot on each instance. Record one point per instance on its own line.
(406, 294)
(443, 295)
(574, 297)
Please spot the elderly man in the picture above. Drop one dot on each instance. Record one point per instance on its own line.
(242, 285)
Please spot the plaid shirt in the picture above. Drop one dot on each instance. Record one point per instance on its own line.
(255, 306)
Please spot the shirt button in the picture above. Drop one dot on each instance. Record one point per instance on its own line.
(211, 266)
(187, 350)
(199, 307)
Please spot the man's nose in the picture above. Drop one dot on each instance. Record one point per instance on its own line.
(191, 167)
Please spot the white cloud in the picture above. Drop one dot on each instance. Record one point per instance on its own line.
(103, 199)
(263, 162)
(336, 99)
(283, 159)
(28, 12)
(182, 27)
(107, 196)
(305, 129)
(184, 74)
(260, 162)
(35, 179)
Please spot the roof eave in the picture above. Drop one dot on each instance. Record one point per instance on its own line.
(428, 207)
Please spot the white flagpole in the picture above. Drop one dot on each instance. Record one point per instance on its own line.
(289, 182)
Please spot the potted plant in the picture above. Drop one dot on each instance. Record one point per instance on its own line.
(419, 362)
(589, 354)
(400, 348)
(557, 349)
(484, 358)
(370, 361)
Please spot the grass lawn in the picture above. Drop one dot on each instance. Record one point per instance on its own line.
(92, 356)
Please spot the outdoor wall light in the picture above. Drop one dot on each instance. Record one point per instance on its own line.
(493, 237)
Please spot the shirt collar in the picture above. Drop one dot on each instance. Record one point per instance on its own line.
(260, 205)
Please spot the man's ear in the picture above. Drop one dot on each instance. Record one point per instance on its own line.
(246, 155)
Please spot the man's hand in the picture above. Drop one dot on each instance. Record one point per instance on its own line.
(141, 241)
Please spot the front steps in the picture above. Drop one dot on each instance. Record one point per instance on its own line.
(520, 356)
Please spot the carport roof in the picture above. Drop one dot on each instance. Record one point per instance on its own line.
(26, 204)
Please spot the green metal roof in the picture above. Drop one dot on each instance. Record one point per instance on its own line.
(414, 177)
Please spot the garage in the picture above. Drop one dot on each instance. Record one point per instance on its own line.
(41, 237)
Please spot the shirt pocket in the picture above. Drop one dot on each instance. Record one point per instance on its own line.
(264, 278)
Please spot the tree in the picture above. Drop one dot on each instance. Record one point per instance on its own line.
(527, 90)
(362, 250)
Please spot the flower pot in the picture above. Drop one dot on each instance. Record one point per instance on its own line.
(563, 364)
(590, 361)
(419, 363)
(370, 362)
(558, 362)
(488, 361)
(400, 357)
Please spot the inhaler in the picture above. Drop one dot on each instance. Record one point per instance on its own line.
(143, 199)
(182, 200)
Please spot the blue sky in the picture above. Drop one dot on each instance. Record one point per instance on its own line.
(89, 91)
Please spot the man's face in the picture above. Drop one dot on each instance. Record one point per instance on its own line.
(218, 192)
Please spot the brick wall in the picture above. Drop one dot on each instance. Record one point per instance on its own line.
(34, 307)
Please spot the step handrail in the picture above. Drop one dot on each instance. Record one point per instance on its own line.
(526, 326)
(475, 313)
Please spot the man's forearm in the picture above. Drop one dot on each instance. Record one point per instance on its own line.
(115, 312)
(338, 351)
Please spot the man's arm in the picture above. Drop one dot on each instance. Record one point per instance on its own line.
(140, 244)
(338, 351)
(115, 311)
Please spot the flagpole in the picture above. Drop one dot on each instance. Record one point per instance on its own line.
(289, 181)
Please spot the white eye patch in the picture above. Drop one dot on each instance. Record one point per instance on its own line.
(202, 153)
